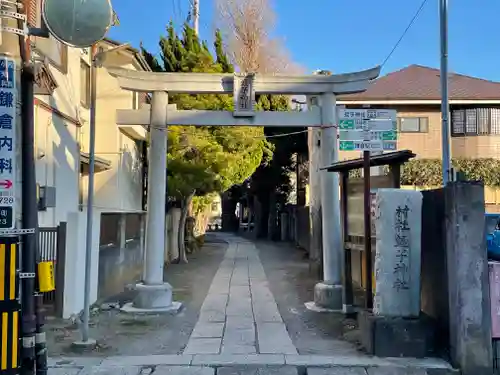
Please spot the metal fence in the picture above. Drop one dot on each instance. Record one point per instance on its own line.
(52, 244)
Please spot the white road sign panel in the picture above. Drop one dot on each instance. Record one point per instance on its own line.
(389, 114)
(366, 135)
(367, 145)
(8, 120)
(369, 125)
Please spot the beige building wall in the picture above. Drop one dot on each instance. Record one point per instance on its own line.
(118, 189)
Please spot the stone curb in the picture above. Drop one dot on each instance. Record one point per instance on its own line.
(218, 360)
(248, 370)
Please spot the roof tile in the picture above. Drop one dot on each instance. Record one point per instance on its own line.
(417, 82)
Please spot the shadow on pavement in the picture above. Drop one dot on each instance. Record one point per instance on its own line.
(292, 284)
(126, 334)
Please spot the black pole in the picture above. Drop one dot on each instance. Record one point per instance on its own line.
(368, 230)
(40, 339)
(29, 221)
(30, 212)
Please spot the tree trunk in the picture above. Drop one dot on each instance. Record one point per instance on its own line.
(271, 218)
(315, 219)
(182, 227)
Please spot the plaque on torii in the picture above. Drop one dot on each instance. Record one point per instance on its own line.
(244, 95)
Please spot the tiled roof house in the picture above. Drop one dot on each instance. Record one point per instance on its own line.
(415, 93)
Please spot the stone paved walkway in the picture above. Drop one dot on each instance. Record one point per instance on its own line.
(241, 332)
(240, 315)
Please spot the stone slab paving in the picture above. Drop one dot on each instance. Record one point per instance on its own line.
(248, 369)
(252, 370)
(241, 332)
(337, 371)
(239, 314)
(272, 364)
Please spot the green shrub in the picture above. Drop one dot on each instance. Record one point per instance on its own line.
(427, 172)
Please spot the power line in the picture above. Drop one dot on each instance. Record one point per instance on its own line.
(194, 134)
(412, 21)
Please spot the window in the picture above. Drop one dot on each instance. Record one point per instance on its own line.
(413, 124)
(495, 120)
(84, 84)
(475, 121)
(54, 51)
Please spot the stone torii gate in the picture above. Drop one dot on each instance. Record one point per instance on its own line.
(153, 293)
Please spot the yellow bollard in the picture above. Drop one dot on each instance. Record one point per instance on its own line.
(46, 279)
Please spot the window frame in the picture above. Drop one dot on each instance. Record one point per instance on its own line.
(420, 125)
(135, 100)
(486, 121)
(85, 103)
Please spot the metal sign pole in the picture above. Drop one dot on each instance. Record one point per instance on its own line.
(367, 229)
(90, 201)
(445, 108)
(367, 130)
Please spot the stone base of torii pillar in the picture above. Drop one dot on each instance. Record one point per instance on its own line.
(153, 299)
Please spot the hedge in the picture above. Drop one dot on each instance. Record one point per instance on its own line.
(427, 172)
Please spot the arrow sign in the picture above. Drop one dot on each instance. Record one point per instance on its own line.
(6, 184)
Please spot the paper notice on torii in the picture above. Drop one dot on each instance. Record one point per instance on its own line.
(7, 142)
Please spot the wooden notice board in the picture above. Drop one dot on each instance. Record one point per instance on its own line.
(355, 223)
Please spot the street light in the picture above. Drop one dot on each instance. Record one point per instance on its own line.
(98, 59)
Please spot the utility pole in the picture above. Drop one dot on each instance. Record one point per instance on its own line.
(196, 16)
(445, 108)
(29, 219)
(34, 350)
(96, 60)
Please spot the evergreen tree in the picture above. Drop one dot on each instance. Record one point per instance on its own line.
(202, 160)
(222, 59)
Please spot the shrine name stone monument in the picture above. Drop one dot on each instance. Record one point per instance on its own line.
(398, 224)
(395, 328)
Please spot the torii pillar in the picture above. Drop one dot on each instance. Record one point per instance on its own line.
(154, 294)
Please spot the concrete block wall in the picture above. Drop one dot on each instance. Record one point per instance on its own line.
(468, 284)
(74, 276)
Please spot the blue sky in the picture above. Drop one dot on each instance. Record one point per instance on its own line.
(347, 35)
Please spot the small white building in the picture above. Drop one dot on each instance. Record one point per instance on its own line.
(62, 150)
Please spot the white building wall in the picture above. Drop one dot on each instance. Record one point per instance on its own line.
(74, 277)
(58, 123)
(59, 142)
(118, 189)
(57, 164)
(56, 141)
